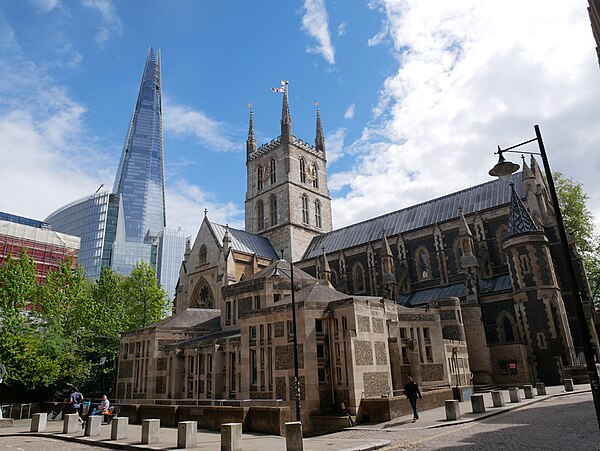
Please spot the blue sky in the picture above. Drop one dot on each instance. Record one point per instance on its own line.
(415, 95)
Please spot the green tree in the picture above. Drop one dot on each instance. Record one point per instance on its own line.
(17, 284)
(579, 221)
(145, 301)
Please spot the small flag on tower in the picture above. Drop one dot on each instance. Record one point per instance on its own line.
(283, 87)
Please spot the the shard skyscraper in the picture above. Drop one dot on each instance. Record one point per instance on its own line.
(140, 179)
(119, 229)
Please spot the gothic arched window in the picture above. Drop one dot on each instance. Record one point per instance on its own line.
(358, 278)
(500, 235)
(302, 170)
(506, 327)
(202, 254)
(260, 177)
(273, 202)
(273, 171)
(318, 213)
(304, 209)
(458, 253)
(315, 181)
(260, 214)
(423, 264)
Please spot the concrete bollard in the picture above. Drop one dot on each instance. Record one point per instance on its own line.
(38, 422)
(528, 390)
(498, 398)
(231, 437)
(477, 403)
(540, 388)
(569, 385)
(118, 428)
(150, 431)
(71, 423)
(187, 434)
(452, 409)
(514, 394)
(92, 425)
(293, 436)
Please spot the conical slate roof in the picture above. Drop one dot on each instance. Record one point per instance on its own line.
(519, 220)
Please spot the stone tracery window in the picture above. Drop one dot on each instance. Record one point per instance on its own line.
(203, 295)
(304, 209)
(505, 325)
(315, 181)
(358, 278)
(260, 178)
(302, 170)
(202, 255)
(273, 202)
(273, 171)
(318, 221)
(423, 264)
(260, 215)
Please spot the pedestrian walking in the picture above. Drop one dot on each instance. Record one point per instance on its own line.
(76, 398)
(412, 392)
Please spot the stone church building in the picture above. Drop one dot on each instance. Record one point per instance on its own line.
(460, 290)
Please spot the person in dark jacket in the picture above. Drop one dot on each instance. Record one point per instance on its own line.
(412, 392)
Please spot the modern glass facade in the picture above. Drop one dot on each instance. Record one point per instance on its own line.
(94, 219)
(171, 247)
(140, 178)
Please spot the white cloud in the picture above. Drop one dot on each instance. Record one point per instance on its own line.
(46, 5)
(183, 120)
(335, 144)
(316, 23)
(109, 16)
(474, 74)
(185, 208)
(341, 29)
(349, 114)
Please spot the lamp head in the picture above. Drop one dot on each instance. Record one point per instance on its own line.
(503, 169)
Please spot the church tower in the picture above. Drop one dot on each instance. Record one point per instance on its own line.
(287, 198)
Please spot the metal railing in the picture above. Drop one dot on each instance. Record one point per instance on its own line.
(208, 402)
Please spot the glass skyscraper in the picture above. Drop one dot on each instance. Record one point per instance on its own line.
(93, 219)
(129, 225)
(140, 178)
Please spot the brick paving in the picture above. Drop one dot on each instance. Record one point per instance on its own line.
(560, 423)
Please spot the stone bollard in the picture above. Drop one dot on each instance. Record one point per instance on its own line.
(71, 423)
(187, 434)
(293, 436)
(150, 431)
(477, 403)
(498, 398)
(92, 425)
(569, 385)
(118, 428)
(528, 390)
(452, 409)
(514, 394)
(540, 388)
(231, 437)
(38, 422)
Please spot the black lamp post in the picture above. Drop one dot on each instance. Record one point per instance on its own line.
(504, 169)
(295, 336)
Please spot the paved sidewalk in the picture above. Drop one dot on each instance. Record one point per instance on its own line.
(211, 440)
(435, 418)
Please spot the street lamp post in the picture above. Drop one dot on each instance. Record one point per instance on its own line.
(504, 169)
(295, 343)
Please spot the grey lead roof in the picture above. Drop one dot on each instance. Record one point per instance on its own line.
(245, 242)
(476, 198)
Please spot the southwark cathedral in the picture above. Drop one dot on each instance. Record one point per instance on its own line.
(460, 292)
